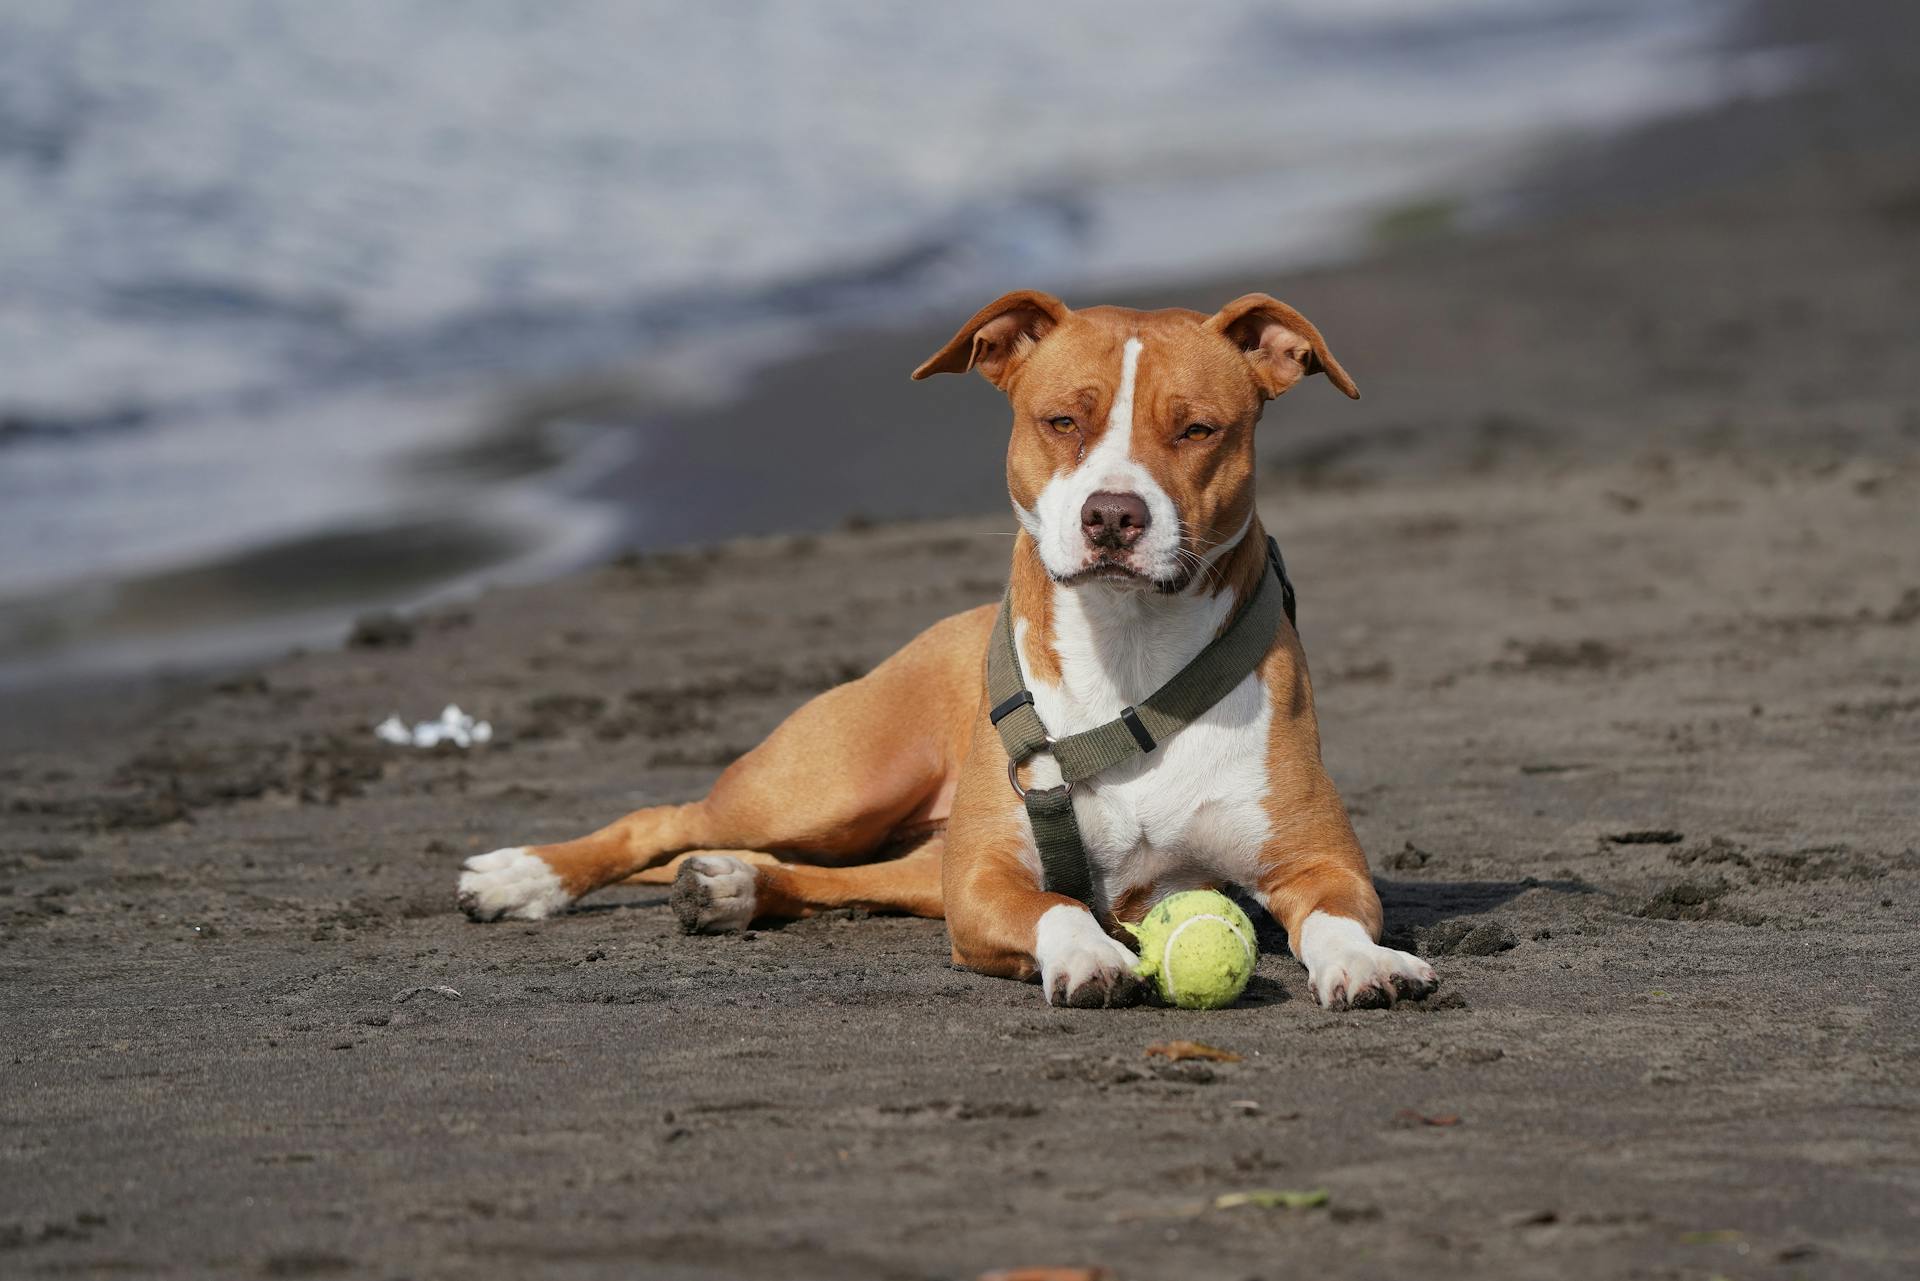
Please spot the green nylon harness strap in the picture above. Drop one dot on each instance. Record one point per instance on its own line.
(1210, 677)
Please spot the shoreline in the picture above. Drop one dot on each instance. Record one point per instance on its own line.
(1427, 407)
(658, 450)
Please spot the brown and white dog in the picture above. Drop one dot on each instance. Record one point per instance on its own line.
(1131, 468)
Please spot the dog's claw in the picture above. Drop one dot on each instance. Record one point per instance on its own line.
(1410, 987)
(1347, 970)
(1080, 965)
(1373, 996)
(1101, 992)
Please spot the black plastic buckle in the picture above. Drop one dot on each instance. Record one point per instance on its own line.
(1023, 699)
(1131, 719)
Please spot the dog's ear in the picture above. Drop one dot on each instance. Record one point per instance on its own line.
(998, 337)
(1281, 344)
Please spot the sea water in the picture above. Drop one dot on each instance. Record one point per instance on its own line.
(259, 259)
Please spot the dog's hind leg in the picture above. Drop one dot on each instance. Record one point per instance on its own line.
(715, 892)
(665, 873)
(837, 782)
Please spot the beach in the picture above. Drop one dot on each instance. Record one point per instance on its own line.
(1610, 588)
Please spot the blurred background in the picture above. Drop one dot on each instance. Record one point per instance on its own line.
(311, 309)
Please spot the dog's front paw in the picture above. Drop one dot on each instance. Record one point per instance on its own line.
(1080, 965)
(1348, 970)
(514, 882)
(713, 894)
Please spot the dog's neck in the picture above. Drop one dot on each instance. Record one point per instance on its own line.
(1103, 647)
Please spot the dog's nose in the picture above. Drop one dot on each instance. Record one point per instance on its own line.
(1113, 521)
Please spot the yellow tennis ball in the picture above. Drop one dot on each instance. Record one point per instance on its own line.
(1198, 947)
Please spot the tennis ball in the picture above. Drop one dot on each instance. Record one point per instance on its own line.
(1198, 947)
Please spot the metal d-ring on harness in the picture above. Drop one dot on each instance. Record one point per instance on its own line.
(1210, 677)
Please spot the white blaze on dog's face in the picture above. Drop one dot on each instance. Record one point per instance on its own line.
(1131, 460)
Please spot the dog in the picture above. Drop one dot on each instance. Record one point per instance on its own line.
(1131, 470)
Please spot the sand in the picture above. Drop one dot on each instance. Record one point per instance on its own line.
(1611, 590)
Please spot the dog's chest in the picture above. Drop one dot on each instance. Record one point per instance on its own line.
(1193, 810)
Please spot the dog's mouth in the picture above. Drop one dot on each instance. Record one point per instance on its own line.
(1116, 574)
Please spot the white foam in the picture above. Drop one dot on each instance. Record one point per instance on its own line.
(454, 726)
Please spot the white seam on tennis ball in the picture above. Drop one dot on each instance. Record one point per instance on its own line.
(1166, 951)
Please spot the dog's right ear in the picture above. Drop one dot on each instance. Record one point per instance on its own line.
(998, 337)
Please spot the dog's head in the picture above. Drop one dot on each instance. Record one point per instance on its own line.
(1131, 461)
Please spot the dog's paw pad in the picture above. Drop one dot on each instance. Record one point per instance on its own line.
(714, 894)
(515, 883)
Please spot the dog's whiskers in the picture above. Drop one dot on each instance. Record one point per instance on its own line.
(1210, 570)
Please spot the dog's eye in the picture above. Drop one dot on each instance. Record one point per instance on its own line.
(1197, 431)
(1062, 424)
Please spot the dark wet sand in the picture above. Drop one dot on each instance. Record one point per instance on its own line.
(1611, 587)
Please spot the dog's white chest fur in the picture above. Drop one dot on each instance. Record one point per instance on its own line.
(1192, 811)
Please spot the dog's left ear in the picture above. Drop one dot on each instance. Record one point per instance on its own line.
(998, 337)
(1281, 344)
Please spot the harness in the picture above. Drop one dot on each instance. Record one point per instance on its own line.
(1214, 672)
